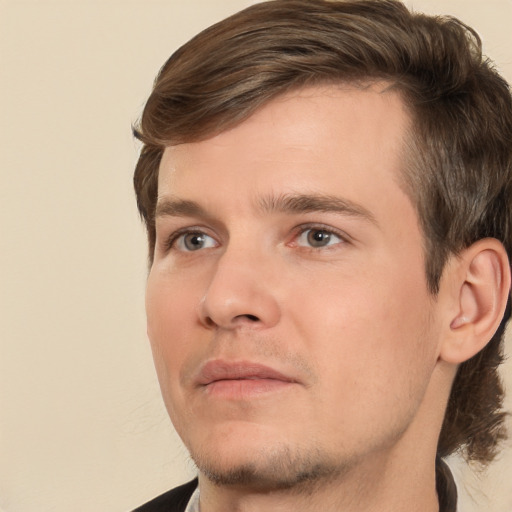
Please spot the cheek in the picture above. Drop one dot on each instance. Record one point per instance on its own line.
(369, 329)
(171, 313)
(171, 304)
(375, 365)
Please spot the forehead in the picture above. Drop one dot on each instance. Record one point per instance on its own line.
(316, 137)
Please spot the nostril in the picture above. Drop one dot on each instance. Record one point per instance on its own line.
(209, 322)
(252, 318)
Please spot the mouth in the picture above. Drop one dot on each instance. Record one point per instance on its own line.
(242, 380)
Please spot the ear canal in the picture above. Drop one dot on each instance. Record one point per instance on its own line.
(468, 304)
(459, 322)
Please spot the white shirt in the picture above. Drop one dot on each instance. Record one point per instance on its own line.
(193, 504)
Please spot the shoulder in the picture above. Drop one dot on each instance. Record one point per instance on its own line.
(175, 500)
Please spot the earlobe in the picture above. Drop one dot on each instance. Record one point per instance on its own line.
(482, 288)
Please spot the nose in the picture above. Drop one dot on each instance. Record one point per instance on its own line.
(240, 293)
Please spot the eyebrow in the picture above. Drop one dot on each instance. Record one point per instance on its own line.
(285, 203)
(174, 207)
(307, 203)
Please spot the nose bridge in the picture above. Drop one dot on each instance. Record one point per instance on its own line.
(240, 291)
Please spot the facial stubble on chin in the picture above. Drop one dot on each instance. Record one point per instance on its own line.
(278, 469)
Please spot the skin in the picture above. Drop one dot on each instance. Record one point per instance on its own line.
(288, 242)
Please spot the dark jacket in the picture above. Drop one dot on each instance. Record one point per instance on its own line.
(175, 500)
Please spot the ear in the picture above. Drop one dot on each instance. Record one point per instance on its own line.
(479, 288)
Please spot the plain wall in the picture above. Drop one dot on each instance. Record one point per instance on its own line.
(82, 425)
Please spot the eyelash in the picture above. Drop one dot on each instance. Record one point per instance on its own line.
(170, 242)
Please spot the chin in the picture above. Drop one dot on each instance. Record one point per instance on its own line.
(269, 468)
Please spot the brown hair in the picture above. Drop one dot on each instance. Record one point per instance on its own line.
(459, 158)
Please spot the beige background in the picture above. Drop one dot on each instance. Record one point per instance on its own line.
(82, 426)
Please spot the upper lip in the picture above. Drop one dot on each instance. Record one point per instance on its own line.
(217, 370)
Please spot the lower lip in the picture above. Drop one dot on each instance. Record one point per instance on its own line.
(242, 389)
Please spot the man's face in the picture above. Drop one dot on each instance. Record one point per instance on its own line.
(288, 312)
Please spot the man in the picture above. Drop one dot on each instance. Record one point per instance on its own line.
(326, 187)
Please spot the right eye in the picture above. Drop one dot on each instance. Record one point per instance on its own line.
(193, 241)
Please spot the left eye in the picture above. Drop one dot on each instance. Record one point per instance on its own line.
(316, 237)
(194, 241)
